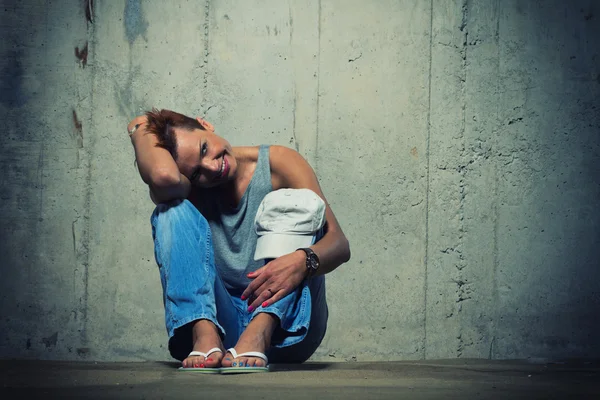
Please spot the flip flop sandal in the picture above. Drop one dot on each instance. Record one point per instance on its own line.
(246, 370)
(205, 355)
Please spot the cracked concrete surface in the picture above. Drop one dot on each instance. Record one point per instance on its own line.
(457, 142)
(461, 379)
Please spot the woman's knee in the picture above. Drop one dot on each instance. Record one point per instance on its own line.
(178, 217)
(175, 211)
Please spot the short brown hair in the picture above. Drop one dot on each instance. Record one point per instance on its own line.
(162, 124)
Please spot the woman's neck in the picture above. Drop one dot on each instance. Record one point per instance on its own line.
(246, 158)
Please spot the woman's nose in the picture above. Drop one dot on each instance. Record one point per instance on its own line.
(212, 165)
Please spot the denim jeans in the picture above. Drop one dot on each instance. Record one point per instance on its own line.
(193, 290)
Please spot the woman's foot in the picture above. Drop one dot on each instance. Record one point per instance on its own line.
(256, 337)
(205, 336)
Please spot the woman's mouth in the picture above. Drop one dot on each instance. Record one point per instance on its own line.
(224, 172)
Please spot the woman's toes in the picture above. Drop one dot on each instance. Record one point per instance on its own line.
(251, 362)
(240, 362)
(227, 360)
(210, 362)
(195, 362)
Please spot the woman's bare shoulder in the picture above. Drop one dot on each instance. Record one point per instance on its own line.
(289, 169)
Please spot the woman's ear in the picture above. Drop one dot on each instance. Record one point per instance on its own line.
(207, 125)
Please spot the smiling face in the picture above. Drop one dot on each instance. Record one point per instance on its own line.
(205, 158)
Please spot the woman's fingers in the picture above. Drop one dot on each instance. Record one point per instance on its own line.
(281, 276)
(274, 299)
(258, 296)
(256, 273)
(267, 296)
(259, 279)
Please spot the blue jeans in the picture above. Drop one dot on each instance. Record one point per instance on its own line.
(193, 290)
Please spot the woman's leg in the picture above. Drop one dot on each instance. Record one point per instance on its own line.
(300, 333)
(198, 310)
(290, 330)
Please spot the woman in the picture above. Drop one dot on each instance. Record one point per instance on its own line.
(216, 296)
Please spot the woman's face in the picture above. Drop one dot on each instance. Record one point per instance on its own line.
(205, 158)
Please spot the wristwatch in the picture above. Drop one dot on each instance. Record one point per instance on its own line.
(312, 261)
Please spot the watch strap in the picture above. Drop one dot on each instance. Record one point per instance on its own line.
(309, 254)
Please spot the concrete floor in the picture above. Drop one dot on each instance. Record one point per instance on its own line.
(480, 379)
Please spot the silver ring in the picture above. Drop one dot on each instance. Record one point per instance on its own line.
(133, 129)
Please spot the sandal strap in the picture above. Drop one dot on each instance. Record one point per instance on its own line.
(208, 353)
(257, 354)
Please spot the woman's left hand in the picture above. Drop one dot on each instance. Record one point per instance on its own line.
(276, 280)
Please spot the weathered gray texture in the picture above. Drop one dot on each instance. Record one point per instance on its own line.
(457, 141)
(514, 176)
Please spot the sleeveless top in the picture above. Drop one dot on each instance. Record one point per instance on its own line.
(233, 235)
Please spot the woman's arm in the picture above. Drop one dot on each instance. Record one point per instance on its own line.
(284, 274)
(290, 170)
(156, 165)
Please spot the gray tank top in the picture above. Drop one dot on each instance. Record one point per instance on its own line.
(233, 234)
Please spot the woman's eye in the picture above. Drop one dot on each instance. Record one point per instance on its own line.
(204, 148)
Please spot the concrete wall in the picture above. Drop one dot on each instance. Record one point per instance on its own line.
(457, 142)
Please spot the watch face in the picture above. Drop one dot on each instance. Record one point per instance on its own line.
(313, 261)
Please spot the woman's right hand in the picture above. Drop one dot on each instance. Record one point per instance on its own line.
(136, 126)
